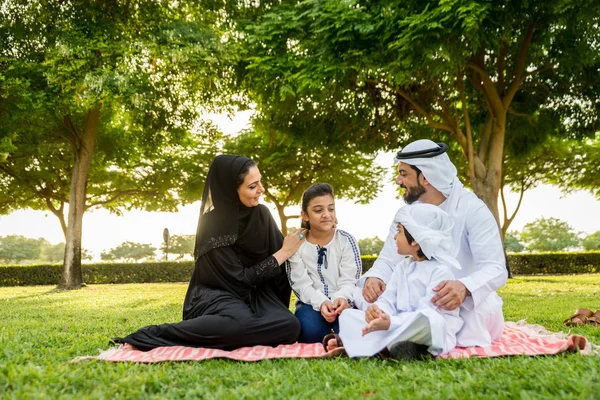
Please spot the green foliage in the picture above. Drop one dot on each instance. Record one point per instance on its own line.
(289, 166)
(22, 250)
(130, 251)
(43, 330)
(554, 263)
(99, 273)
(370, 246)
(119, 86)
(591, 242)
(16, 248)
(512, 244)
(549, 234)
(509, 75)
(181, 245)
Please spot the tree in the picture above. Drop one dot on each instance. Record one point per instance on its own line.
(181, 245)
(512, 244)
(370, 246)
(549, 234)
(17, 248)
(129, 251)
(54, 253)
(592, 241)
(289, 167)
(97, 103)
(565, 163)
(477, 74)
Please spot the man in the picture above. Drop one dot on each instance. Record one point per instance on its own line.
(427, 175)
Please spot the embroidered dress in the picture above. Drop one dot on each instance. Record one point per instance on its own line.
(318, 274)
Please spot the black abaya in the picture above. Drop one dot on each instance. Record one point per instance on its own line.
(238, 294)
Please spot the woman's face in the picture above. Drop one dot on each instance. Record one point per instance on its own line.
(251, 189)
(320, 213)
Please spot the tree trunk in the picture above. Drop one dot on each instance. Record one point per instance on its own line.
(283, 218)
(71, 276)
(487, 187)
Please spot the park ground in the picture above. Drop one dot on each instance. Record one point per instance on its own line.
(41, 330)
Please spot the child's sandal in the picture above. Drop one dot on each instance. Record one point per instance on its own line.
(580, 317)
(330, 336)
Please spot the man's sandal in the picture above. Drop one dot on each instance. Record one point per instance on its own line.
(594, 319)
(580, 317)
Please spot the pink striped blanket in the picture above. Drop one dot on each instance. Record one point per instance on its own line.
(518, 339)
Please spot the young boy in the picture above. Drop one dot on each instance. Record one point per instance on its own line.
(403, 319)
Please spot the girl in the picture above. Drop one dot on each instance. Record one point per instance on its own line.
(325, 269)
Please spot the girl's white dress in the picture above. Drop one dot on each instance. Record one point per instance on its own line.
(317, 273)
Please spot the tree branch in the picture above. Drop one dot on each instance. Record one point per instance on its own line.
(463, 99)
(490, 92)
(519, 72)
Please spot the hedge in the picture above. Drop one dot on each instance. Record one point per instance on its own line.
(554, 263)
(21, 275)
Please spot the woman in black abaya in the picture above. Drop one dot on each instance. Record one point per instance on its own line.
(239, 293)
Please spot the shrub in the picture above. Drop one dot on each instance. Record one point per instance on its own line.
(172, 271)
(554, 263)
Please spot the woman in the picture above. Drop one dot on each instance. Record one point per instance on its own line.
(239, 294)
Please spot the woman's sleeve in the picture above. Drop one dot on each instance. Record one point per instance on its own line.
(302, 284)
(350, 268)
(231, 265)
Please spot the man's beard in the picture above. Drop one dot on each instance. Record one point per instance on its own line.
(413, 194)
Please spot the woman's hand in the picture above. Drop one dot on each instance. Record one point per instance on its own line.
(291, 244)
(328, 311)
(340, 305)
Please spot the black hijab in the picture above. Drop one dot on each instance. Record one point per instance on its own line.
(225, 221)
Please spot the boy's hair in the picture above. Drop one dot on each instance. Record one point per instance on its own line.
(411, 240)
(316, 190)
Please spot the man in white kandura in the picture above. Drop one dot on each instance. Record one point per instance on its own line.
(427, 175)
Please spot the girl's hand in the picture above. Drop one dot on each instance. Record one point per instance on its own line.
(373, 312)
(378, 324)
(340, 305)
(328, 311)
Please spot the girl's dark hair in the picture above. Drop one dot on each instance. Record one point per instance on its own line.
(412, 239)
(243, 172)
(316, 190)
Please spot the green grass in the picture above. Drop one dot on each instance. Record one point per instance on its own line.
(41, 330)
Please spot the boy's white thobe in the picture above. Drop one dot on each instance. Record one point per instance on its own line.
(414, 318)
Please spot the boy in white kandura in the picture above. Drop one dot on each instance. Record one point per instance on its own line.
(403, 319)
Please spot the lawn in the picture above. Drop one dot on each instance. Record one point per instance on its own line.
(41, 330)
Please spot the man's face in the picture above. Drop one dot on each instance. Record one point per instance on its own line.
(408, 180)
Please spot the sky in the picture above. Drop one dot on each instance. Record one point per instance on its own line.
(103, 231)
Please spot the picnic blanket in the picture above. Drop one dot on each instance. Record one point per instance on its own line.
(519, 338)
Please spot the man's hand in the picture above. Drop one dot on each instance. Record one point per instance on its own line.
(340, 305)
(328, 311)
(374, 287)
(450, 295)
(378, 324)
